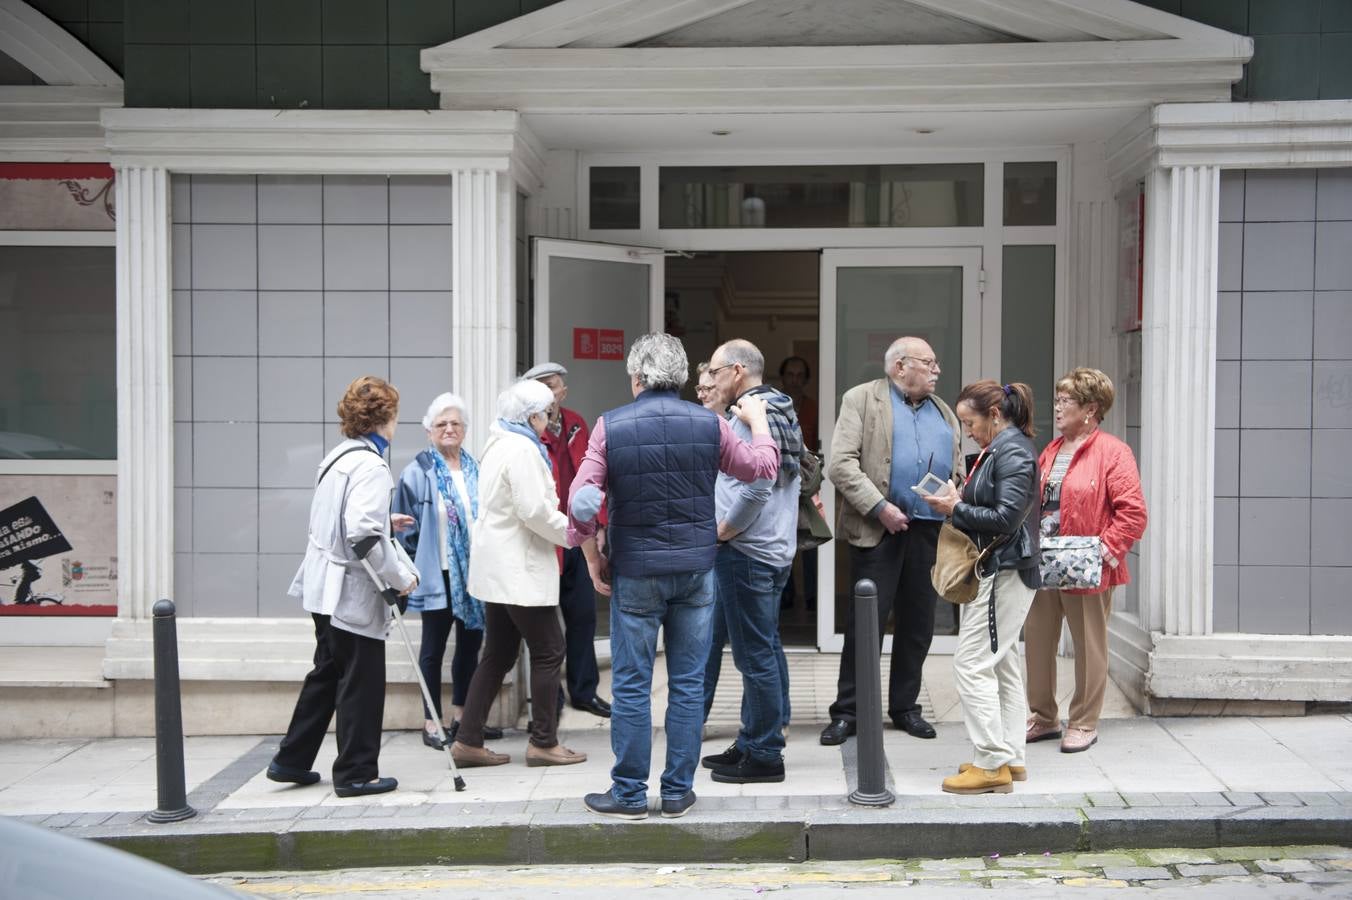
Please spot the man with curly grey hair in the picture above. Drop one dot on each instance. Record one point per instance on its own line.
(654, 462)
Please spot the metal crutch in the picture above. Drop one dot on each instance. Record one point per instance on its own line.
(392, 598)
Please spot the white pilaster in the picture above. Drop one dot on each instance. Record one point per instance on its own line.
(483, 280)
(1178, 343)
(145, 452)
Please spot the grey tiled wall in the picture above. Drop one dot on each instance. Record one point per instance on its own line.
(285, 289)
(1284, 403)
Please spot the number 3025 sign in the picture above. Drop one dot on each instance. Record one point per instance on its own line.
(598, 343)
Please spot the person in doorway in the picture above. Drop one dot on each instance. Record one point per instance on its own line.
(758, 536)
(891, 432)
(566, 439)
(654, 463)
(704, 390)
(997, 510)
(1090, 486)
(514, 569)
(349, 522)
(439, 491)
(794, 375)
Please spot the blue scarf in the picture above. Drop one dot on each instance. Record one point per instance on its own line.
(381, 444)
(527, 431)
(466, 608)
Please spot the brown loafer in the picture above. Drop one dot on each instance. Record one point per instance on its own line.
(1039, 732)
(1016, 773)
(558, 755)
(467, 757)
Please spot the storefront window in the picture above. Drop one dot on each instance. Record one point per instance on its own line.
(614, 197)
(909, 196)
(58, 368)
(1030, 193)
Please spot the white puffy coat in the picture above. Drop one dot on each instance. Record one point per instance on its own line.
(351, 502)
(512, 558)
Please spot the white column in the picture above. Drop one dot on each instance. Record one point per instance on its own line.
(1178, 387)
(484, 324)
(145, 451)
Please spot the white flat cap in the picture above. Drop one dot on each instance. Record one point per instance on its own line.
(544, 370)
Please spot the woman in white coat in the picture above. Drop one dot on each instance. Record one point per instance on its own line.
(349, 521)
(514, 570)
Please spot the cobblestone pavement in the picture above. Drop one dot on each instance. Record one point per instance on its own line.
(1228, 872)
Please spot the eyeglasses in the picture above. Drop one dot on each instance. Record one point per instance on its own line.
(712, 372)
(703, 389)
(443, 426)
(932, 363)
(1063, 401)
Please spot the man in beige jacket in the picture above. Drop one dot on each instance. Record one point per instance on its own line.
(891, 433)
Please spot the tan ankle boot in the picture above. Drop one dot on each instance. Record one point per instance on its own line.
(467, 757)
(558, 755)
(977, 780)
(1016, 773)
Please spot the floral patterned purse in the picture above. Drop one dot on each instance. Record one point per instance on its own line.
(1071, 562)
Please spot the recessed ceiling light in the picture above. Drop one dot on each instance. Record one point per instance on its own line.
(722, 132)
(924, 131)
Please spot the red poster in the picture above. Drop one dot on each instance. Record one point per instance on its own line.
(612, 344)
(584, 343)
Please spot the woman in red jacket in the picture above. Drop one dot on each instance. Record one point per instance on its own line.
(1090, 486)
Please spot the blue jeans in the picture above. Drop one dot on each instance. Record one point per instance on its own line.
(681, 605)
(747, 614)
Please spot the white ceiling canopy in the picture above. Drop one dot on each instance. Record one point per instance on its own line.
(731, 57)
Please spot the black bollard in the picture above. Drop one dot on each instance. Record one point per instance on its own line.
(872, 789)
(172, 793)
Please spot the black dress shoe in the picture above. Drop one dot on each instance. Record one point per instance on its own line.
(914, 725)
(596, 706)
(837, 732)
(290, 775)
(729, 757)
(606, 805)
(362, 788)
(490, 733)
(750, 771)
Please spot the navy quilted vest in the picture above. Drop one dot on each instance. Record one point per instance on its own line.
(662, 457)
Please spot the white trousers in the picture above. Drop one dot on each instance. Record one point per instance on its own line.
(994, 706)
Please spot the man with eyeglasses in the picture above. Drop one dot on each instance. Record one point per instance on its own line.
(890, 433)
(566, 438)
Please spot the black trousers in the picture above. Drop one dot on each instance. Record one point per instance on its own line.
(348, 678)
(900, 566)
(577, 602)
(507, 626)
(436, 630)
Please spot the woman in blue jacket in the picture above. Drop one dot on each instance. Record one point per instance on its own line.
(440, 490)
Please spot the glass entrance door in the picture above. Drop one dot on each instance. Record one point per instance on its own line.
(869, 299)
(591, 301)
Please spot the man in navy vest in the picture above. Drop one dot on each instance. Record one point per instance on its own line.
(891, 433)
(655, 462)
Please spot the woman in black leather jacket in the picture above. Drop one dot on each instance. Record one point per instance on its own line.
(998, 506)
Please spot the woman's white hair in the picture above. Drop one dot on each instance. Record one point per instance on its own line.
(659, 362)
(523, 400)
(440, 404)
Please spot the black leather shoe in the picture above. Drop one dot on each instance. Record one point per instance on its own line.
(289, 775)
(914, 725)
(749, 771)
(837, 732)
(362, 788)
(674, 809)
(490, 733)
(606, 805)
(729, 757)
(596, 706)
(431, 740)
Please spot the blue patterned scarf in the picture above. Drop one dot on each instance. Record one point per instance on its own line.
(466, 608)
(527, 431)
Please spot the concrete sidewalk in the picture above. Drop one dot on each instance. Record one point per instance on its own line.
(1207, 782)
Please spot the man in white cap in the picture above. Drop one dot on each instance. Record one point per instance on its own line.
(566, 439)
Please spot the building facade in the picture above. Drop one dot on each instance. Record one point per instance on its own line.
(444, 192)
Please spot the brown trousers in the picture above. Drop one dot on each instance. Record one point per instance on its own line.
(1087, 615)
(505, 626)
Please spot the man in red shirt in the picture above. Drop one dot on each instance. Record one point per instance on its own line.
(566, 439)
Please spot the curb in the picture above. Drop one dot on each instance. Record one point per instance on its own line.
(744, 836)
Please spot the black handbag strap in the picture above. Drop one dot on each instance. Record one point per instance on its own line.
(334, 461)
